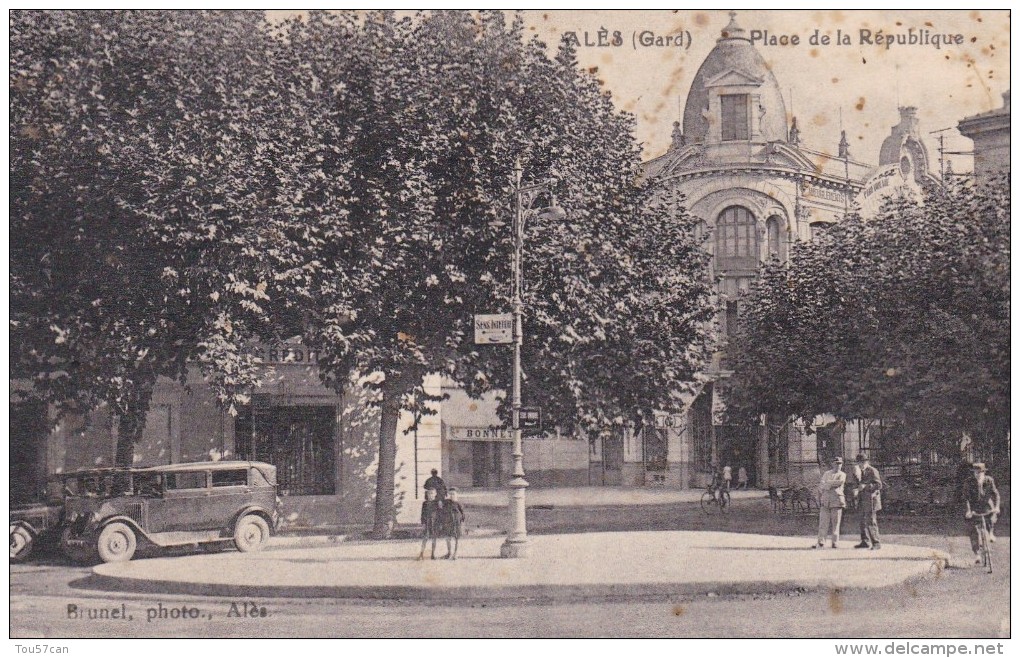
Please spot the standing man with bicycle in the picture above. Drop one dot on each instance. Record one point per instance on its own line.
(982, 500)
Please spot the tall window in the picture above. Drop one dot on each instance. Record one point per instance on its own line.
(736, 239)
(701, 429)
(732, 318)
(734, 117)
(772, 230)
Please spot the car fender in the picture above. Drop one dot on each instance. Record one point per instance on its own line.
(259, 511)
(119, 518)
(21, 523)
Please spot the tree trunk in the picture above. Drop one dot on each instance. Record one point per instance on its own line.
(384, 479)
(129, 431)
(131, 425)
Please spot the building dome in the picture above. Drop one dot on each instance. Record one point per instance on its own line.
(734, 66)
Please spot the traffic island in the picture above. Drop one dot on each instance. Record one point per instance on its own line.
(606, 565)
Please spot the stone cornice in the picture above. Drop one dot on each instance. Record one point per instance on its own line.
(764, 170)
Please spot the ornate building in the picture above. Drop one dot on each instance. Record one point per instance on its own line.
(739, 161)
(990, 133)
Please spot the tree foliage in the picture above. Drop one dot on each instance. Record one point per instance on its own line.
(904, 316)
(148, 158)
(186, 183)
(439, 108)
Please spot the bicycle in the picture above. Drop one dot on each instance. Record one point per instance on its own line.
(984, 547)
(715, 497)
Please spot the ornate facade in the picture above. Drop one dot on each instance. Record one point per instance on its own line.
(739, 162)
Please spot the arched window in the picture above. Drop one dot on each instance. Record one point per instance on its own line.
(774, 232)
(818, 229)
(736, 239)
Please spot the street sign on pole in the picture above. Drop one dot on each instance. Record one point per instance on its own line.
(497, 329)
(531, 419)
(666, 421)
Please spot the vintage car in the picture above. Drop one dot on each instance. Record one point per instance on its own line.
(38, 523)
(209, 504)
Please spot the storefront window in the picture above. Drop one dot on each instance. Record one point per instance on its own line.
(298, 440)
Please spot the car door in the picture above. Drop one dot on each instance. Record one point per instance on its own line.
(185, 504)
(230, 491)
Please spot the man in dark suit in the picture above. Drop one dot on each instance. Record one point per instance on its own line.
(982, 500)
(437, 484)
(870, 489)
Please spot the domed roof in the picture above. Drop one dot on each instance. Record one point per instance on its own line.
(734, 53)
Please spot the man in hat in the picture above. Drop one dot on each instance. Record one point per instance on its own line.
(437, 484)
(982, 500)
(831, 502)
(870, 490)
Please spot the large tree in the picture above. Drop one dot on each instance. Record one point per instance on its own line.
(436, 111)
(904, 316)
(151, 184)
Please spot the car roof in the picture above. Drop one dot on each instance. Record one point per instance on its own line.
(202, 466)
(168, 468)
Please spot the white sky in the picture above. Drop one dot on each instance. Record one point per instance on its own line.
(865, 82)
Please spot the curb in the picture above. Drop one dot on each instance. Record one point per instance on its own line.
(627, 591)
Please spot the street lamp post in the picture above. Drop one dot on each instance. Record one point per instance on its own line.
(516, 544)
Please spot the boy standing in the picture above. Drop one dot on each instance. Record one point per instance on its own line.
(430, 522)
(453, 521)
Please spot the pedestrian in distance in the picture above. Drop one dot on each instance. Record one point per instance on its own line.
(981, 498)
(437, 484)
(741, 478)
(727, 476)
(431, 522)
(453, 522)
(831, 501)
(715, 486)
(852, 488)
(870, 501)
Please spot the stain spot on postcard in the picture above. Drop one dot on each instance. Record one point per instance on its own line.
(836, 601)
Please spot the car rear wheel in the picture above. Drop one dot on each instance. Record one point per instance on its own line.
(21, 543)
(116, 543)
(251, 533)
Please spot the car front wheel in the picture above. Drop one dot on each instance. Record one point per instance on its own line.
(251, 533)
(21, 543)
(116, 543)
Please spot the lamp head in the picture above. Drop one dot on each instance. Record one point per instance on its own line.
(553, 212)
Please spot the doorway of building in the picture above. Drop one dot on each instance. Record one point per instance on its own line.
(487, 463)
(736, 448)
(27, 441)
(612, 457)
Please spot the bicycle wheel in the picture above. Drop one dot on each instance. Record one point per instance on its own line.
(707, 501)
(724, 502)
(986, 549)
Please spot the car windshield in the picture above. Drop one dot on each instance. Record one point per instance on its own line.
(103, 484)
